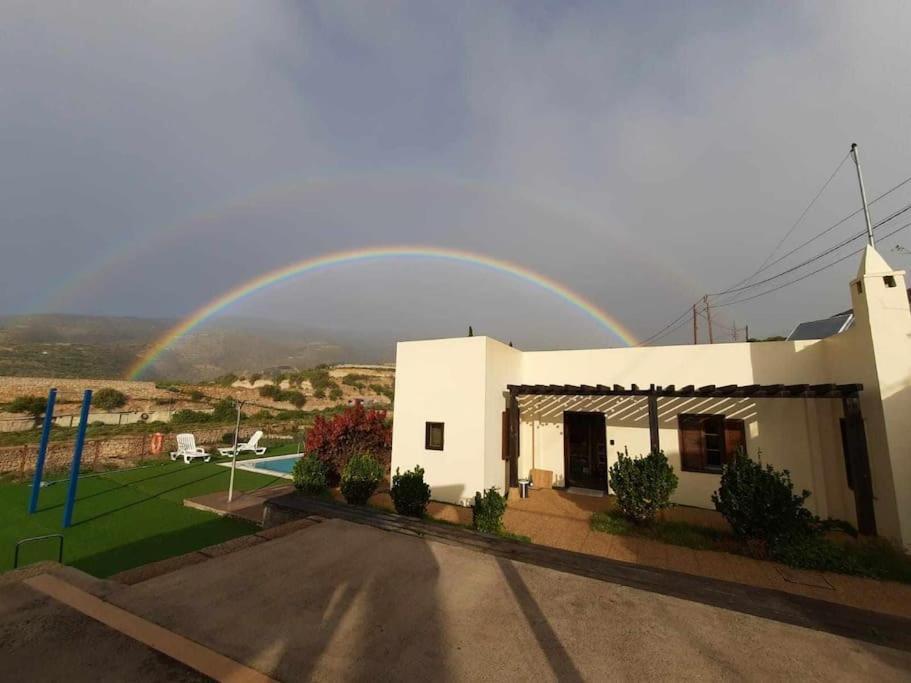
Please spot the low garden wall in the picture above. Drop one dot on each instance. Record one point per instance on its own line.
(101, 454)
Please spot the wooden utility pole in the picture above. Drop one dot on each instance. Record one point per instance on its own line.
(748, 333)
(695, 327)
(708, 317)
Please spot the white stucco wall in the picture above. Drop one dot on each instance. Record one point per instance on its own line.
(442, 381)
(503, 366)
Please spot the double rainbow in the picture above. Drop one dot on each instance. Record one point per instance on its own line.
(310, 265)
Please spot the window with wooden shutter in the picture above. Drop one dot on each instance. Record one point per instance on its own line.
(734, 439)
(691, 453)
(707, 442)
(505, 437)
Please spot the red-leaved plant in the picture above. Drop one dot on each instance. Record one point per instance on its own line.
(356, 430)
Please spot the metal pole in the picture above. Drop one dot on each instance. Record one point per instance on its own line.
(239, 405)
(863, 194)
(42, 450)
(77, 459)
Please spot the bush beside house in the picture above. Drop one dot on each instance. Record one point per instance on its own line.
(643, 486)
(759, 502)
(488, 511)
(410, 493)
(309, 475)
(360, 478)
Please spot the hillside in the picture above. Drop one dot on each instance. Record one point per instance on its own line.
(77, 346)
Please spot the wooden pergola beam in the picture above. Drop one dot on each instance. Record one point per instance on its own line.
(836, 391)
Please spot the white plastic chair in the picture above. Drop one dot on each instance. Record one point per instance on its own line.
(186, 448)
(249, 446)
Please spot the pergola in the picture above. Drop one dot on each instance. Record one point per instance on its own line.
(849, 394)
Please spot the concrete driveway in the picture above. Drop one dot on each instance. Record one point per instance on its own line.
(345, 601)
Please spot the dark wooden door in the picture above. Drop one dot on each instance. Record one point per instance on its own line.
(585, 450)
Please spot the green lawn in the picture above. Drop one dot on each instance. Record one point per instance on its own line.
(125, 519)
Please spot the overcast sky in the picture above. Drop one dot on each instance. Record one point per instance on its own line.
(153, 155)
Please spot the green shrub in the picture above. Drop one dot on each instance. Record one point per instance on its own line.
(355, 380)
(488, 510)
(409, 492)
(295, 398)
(185, 417)
(269, 391)
(225, 380)
(197, 395)
(335, 393)
(309, 475)
(382, 390)
(109, 399)
(33, 405)
(360, 477)
(759, 502)
(225, 411)
(642, 485)
(813, 551)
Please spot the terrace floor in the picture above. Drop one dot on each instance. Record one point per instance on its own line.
(299, 608)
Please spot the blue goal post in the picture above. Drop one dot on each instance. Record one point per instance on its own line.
(77, 459)
(42, 450)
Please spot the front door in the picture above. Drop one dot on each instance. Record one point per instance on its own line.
(585, 450)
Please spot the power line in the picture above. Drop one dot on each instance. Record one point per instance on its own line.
(806, 275)
(659, 334)
(676, 322)
(816, 257)
(796, 223)
(820, 234)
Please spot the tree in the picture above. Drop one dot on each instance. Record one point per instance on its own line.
(353, 431)
(109, 399)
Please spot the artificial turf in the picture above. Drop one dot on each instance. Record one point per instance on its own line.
(124, 519)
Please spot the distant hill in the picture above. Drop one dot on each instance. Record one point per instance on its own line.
(79, 346)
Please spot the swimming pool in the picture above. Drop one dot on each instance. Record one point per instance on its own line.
(279, 465)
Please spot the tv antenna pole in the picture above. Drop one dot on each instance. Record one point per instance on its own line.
(863, 194)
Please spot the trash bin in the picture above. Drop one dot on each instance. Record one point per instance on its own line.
(523, 488)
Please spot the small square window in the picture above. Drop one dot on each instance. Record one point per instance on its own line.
(889, 280)
(433, 436)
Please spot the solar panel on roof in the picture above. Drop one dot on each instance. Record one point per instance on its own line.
(820, 329)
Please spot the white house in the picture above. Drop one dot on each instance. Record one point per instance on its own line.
(836, 412)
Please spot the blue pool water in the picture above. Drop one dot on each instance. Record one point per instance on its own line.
(282, 465)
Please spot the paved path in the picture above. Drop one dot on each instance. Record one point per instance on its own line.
(344, 601)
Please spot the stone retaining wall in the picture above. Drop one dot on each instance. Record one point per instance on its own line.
(99, 454)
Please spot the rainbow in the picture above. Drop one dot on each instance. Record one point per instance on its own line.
(309, 265)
